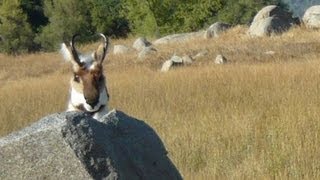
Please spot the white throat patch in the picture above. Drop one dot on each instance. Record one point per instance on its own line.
(77, 99)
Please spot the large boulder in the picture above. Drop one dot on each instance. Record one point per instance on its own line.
(220, 59)
(175, 61)
(200, 54)
(187, 59)
(147, 51)
(183, 37)
(311, 17)
(216, 29)
(271, 20)
(121, 49)
(75, 146)
(141, 43)
(166, 65)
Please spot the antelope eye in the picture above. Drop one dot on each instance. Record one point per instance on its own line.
(76, 78)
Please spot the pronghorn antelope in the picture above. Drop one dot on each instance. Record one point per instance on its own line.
(88, 90)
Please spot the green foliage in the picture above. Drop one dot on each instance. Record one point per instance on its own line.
(85, 17)
(66, 18)
(106, 17)
(193, 15)
(158, 17)
(55, 21)
(243, 11)
(34, 11)
(154, 17)
(140, 16)
(16, 33)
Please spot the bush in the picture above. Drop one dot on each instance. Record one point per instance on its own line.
(16, 34)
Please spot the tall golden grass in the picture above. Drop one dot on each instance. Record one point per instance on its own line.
(254, 118)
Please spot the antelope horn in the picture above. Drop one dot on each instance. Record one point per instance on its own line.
(74, 51)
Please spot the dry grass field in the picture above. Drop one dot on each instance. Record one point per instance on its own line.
(256, 117)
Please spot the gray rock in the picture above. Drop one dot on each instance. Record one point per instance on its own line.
(311, 17)
(216, 29)
(121, 49)
(176, 59)
(166, 66)
(141, 43)
(187, 59)
(179, 37)
(75, 146)
(40, 152)
(271, 20)
(200, 54)
(220, 59)
(147, 51)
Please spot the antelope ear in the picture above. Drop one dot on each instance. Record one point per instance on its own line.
(101, 52)
(65, 52)
(67, 55)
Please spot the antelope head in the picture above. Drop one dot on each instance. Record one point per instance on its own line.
(88, 90)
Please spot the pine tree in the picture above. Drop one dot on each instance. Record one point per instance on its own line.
(139, 14)
(194, 15)
(106, 17)
(16, 34)
(243, 11)
(35, 14)
(66, 18)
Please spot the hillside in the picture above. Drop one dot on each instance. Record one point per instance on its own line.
(253, 118)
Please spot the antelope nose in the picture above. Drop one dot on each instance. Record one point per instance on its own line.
(92, 102)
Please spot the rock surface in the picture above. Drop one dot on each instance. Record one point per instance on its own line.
(75, 146)
(39, 152)
(166, 65)
(175, 61)
(311, 17)
(121, 49)
(220, 59)
(187, 59)
(271, 20)
(216, 29)
(179, 37)
(141, 43)
(200, 54)
(147, 51)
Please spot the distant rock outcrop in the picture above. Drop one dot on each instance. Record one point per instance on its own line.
(121, 49)
(187, 59)
(146, 51)
(141, 43)
(271, 20)
(200, 54)
(220, 59)
(166, 66)
(311, 17)
(175, 61)
(74, 146)
(179, 37)
(216, 29)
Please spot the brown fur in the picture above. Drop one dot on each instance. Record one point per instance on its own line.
(89, 80)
